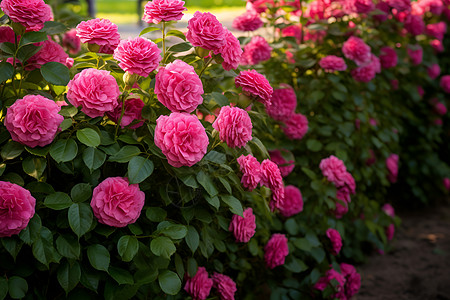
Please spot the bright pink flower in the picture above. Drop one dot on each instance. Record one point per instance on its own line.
(71, 41)
(138, 56)
(363, 6)
(132, 112)
(225, 286)
(30, 13)
(205, 31)
(392, 166)
(283, 103)
(254, 85)
(445, 83)
(258, 50)
(100, 32)
(200, 285)
(365, 73)
(181, 138)
(388, 57)
(251, 171)
(440, 108)
(349, 183)
(163, 10)
(436, 30)
(336, 241)
(243, 228)
(33, 121)
(353, 279)
(116, 202)
(276, 250)
(231, 52)
(292, 30)
(434, 71)
(108, 49)
(389, 210)
(433, 6)
(17, 207)
(96, 91)
(334, 170)
(178, 87)
(437, 45)
(271, 177)
(400, 5)
(293, 202)
(295, 127)
(341, 209)
(50, 51)
(383, 13)
(234, 126)
(248, 21)
(284, 165)
(355, 49)
(446, 183)
(414, 24)
(332, 63)
(7, 34)
(337, 286)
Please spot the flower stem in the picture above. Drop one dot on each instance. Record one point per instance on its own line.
(205, 66)
(123, 97)
(164, 42)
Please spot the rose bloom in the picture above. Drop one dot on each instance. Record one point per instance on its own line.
(440, 108)
(96, 91)
(271, 177)
(116, 202)
(315, 10)
(33, 120)
(294, 31)
(355, 49)
(433, 6)
(414, 24)
(132, 112)
(225, 286)
(285, 166)
(436, 30)
(364, 73)
(258, 50)
(332, 63)
(334, 170)
(295, 127)
(437, 45)
(392, 166)
(181, 138)
(383, 12)
(16, 208)
(353, 279)
(254, 85)
(400, 5)
(341, 209)
(234, 126)
(243, 228)
(100, 32)
(336, 240)
(390, 231)
(205, 31)
(138, 56)
(248, 21)
(251, 171)
(434, 71)
(389, 210)
(446, 183)
(163, 10)
(326, 281)
(293, 202)
(388, 57)
(32, 14)
(7, 34)
(363, 6)
(283, 103)
(445, 83)
(200, 285)
(276, 250)
(420, 91)
(50, 52)
(231, 52)
(178, 87)
(71, 41)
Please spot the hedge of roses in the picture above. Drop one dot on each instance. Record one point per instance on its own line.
(216, 167)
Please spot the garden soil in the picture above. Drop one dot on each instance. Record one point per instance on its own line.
(418, 267)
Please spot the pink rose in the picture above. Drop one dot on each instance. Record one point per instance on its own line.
(389, 210)
(96, 91)
(293, 202)
(315, 10)
(138, 56)
(181, 138)
(388, 57)
(16, 208)
(392, 166)
(276, 250)
(390, 230)
(436, 30)
(71, 41)
(116, 202)
(337, 286)
(355, 49)
(254, 85)
(353, 279)
(234, 126)
(414, 24)
(283, 103)
(132, 112)
(100, 32)
(225, 286)
(7, 34)
(295, 127)
(336, 240)
(50, 51)
(271, 178)
(256, 51)
(163, 10)
(433, 6)
(30, 13)
(178, 87)
(248, 21)
(383, 12)
(33, 121)
(205, 31)
(200, 285)
(334, 170)
(294, 31)
(332, 63)
(251, 171)
(400, 5)
(284, 165)
(363, 6)
(440, 108)
(343, 195)
(437, 45)
(434, 71)
(420, 91)
(394, 84)
(231, 52)
(445, 83)
(243, 228)
(415, 54)
(364, 73)
(446, 183)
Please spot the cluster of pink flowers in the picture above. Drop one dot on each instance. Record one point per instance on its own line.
(243, 228)
(356, 49)
(414, 24)
(286, 166)
(32, 14)
(101, 32)
(283, 103)
(436, 30)
(234, 126)
(132, 113)
(295, 127)
(156, 11)
(256, 51)
(367, 71)
(294, 31)
(335, 239)
(199, 286)
(347, 283)
(276, 250)
(392, 167)
(332, 63)
(293, 202)
(254, 85)
(248, 21)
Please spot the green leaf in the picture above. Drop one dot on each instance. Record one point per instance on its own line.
(89, 137)
(11, 150)
(192, 239)
(179, 266)
(192, 266)
(318, 254)
(18, 287)
(216, 157)
(226, 184)
(234, 204)
(34, 166)
(3, 288)
(38, 151)
(66, 124)
(68, 246)
(80, 218)
(64, 150)
(121, 276)
(189, 180)
(309, 173)
(58, 201)
(98, 257)
(6, 71)
(207, 183)
(148, 29)
(176, 33)
(43, 249)
(295, 265)
(257, 145)
(81, 192)
(163, 246)
(181, 47)
(52, 28)
(55, 73)
(125, 154)
(175, 231)
(213, 201)
(127, 246)
(13, 246)
(32, 37)
(314, 145)
(169, 282)
(155, 214)
(68, 275)
(93, 158)
(32, 232)
(139, 169)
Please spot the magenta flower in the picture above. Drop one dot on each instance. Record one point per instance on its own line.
(132, 112)
(446, 183)
(415, 54)
(388, 57)
(334, 170)
(352, 279)
(50, 51)
(294, 31)
(276, 250)
(389, 210)
(440, 108)
(284, 165)
(400, 5)
(436, 30)
(283, 103)
(200, 285)
(434, 71)
(332, 63)
(295, 127)
(414, 24)
(243, 228)
(364, 73)
(336, 241)
(271, 178)
(256, 51)
(356, 49)
(100, 32)
(71, 41)
(163, 10)
(293, 202)
(32, 14)
(337, 286)
(445, 83)
(7, 34)
(392, 166)
(254, 85)
(248, 21)
(205, 31)
(234, 126)
(225, 286)
(251, 171)
(231, 52)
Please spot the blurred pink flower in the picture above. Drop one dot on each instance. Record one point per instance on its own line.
(337, 286)
(71, 41)
(293, 202)
(388, 57)
(332, 63)
(356, 49)
(50, 52)
(248, 21)
(200, 285)
(156, 11)
(284, 165)
(353, 279)
(440, 108)
(389, 210)
(283, 103)
(256, 51)
(446, 183)
(336, 241)
(415, 54)
(445, 83)
(436, 30)
(295, 127)
(132, 112)
(7, 34)
(243, 228)
(392, 166)
(414, 24)
(434, 71)
(390, 230)
(225, 286)
(276, 250)
(437, 45)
